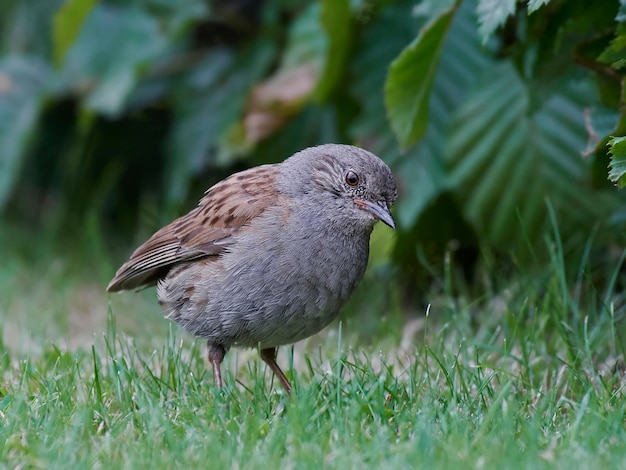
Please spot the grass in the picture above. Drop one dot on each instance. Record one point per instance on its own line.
(530, 376)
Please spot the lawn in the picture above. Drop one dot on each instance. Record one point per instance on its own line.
(530, 375)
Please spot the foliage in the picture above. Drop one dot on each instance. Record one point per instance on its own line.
(490, 113)
(410, 79)
(618, 161)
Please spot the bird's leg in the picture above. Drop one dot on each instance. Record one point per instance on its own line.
(269, 357)
(216, 356)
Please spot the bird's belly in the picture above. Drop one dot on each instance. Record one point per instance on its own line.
(282, 328)
(264, 301)
(290, 311)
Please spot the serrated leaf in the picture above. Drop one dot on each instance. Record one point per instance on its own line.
(67, 23)
(534, 5)
(617, 165)
(335, 19)
(410, 80)
(506, 159)
(24, 83)
(106, 71)
(492, 14)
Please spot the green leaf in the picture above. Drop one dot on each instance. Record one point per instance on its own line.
(67, 23)
(24, 27)
(113, 50)
(534, 5)
(617, 165)
(505, 159)
(371, 129)
(306, 41)
(411, 77)
(24, 83)
(420, 169)
(492, 14)
(431, 8)
(335, 19)
(368, 72)
(177, 16)
(615, 53)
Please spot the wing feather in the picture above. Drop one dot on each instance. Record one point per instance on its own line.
(207, 230)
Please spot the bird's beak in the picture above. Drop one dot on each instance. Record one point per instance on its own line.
(377, 209)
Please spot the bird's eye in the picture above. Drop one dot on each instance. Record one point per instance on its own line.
(352, 178)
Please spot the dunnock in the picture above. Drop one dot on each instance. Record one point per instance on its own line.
(270, 254)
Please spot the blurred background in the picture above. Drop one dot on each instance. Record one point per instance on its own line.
(496, 117)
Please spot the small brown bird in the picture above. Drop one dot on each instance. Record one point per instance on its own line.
(270, 254)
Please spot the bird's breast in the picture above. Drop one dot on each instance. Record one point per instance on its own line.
(290, 284)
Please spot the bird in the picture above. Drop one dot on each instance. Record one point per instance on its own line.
(270, 254)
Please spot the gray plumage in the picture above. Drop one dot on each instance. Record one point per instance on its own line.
(271, 254)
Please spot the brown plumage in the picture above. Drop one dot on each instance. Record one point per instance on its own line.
(205, 231)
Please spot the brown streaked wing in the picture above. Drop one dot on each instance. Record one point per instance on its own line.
(204, 231)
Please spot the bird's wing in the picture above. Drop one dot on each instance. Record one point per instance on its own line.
(205, 231)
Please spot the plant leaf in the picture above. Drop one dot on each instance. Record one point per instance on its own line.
(208, 104)
(492, 14)
(615, 53)
(67, 23)
(24, 83)
(420, 169)
(617, 165)
(335, 19)
(410, 80)
(306, 42)
(25, 25)
(498, 142)
(106, 71)
(301, 76)
(432, 8)
(534, 5)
